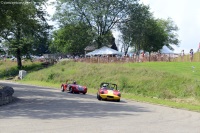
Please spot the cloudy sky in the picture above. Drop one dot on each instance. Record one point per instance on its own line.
(185, 14)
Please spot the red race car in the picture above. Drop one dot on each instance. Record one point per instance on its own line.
(73, 87)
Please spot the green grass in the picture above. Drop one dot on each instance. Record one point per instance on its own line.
(165, 102)
(174, 84)
(9, 68)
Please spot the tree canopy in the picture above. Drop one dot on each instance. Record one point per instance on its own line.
(101, 15)
(143, 32)
(23, 25)
(72, 38)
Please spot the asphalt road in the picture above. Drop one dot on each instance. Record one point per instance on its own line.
(45, 110)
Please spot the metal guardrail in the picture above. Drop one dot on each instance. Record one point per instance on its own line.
(6, 93)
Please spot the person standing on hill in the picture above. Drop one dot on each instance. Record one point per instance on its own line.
(182, 55)
(191, 55)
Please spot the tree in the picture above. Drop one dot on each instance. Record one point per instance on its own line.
(100, 15)
(160, 33)
(72, 38)
(133, 28)
(23, 24)
(154, 37)
(144, 32)
(170, 30)
(126, 41)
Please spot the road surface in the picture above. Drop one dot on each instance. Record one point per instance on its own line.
(48, 110)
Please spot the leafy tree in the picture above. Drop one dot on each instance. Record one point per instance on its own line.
(170, 30)
(23, 25)
(159, 33)
(126, 41)
(101, 15)
(143, 31)
(154, 37)
(6, 13)
(72, 38)
(133, 28)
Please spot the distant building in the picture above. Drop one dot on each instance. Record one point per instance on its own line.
(90, 49)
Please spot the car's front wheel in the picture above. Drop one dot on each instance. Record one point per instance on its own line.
(98, 97)
(118, 100)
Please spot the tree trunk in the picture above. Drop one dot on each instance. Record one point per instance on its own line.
(19, 61)
(126, 50)
(18, 51)
(99, 42)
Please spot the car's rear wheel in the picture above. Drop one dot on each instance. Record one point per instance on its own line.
(70, 90)
(118, 100)
(62, 88)
(84, 93)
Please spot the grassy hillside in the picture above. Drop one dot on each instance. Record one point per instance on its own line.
(152, 81)
(175, 84)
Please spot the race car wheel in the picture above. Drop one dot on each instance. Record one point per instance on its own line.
(70, 90)
(62, 89)
(98, 97)
(84, 93)
(118, 100)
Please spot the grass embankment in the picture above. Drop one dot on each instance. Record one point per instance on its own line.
(175, 84)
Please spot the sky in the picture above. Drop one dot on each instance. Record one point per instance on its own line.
(184, 13)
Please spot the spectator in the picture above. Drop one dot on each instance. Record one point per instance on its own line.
(143, 56)
(182, 55)
(191, 55)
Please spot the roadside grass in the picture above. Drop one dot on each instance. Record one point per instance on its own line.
(174, 84)
(164, 102)
(8, 69)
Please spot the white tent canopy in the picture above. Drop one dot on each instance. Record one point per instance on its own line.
(104, 51)
(166, 50)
